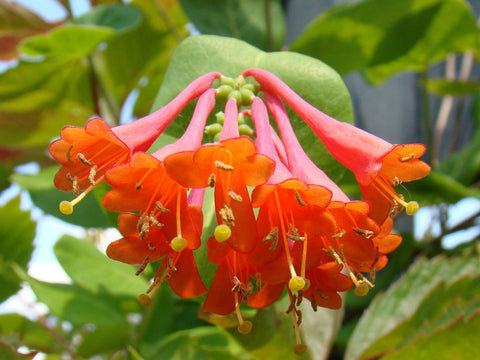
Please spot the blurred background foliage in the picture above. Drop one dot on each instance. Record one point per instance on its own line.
(112, 59)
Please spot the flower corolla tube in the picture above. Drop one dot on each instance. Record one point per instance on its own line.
(281, 226)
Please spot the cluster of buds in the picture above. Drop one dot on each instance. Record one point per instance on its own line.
(307, 239)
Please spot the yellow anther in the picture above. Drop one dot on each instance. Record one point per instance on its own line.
(411, 208)
(296, 283)
(178, 243)
(299, 349)
(144, 300)
(65, 207)
(245, 327)
(362, 288)
(222, 233)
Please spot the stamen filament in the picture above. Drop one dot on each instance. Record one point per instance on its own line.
(410, 208)
(66, 207)
(245, 326)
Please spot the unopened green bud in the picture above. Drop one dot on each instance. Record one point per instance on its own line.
(220, 116)
(245, 129)
(225, 80)
(247, 96)
(235, 94)
(213, 129)
(223, 92)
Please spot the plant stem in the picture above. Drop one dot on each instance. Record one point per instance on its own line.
(426, 114)
(268, 24)
(162, 10)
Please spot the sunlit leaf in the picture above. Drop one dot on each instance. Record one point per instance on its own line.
(383, 37)
(447, 307)
(405, 297)
(16, 238)
(67, 42)
(117, 17)
(245, 20)
(313, 80)
(138, 59)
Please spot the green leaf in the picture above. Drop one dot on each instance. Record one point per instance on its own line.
(116, 17)
(244, 20)
(313, 80)
(211, 343)
(158, 321)
(405, 297)
(95, 272)
(272, 335)
(44, 195)
(75, 304)
(20, 331)
(36, 101)
(446, 306)
(444, 87)
(103, 339)
(16, 245)
(409, 35)
(7, 352)
(5, 172)
(138, 59)
(67, 42)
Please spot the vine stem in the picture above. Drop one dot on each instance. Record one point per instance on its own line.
(162, 10)
(268, 24)
(426, 114)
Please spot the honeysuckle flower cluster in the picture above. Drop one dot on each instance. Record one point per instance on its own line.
(307, 239)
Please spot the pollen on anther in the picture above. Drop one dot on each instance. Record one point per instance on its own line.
(222, 166)
(299, 199)
(211, 180)
(234, 196)
(160, 207)
(84, 160)
(407, 158)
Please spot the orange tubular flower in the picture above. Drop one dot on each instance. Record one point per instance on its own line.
(377, 164)
(177, 267)
(232, 284)
(353, 244)
(230, 166)
(86, 153)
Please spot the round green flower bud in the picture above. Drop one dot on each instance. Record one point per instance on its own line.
(235, 94)
(213, 129)
(245, 129)
(225, 80)
(220, 116)
(247, 96)
(223, 92)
